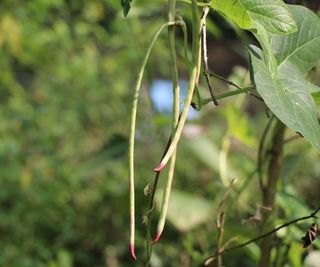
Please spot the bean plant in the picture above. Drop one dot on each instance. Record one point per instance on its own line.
(287, 47)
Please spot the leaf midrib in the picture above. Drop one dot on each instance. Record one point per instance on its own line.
(294, 51)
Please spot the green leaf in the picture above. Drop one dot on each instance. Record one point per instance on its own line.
(186, 210)
(265, 40)
(301, 48)
(235, 11)
(273, 15)
(284, 89)
(126, 5)
(288, 97)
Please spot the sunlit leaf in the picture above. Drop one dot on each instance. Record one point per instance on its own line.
(235, 11)
(273, 15)
(186, 210)
(10, 32)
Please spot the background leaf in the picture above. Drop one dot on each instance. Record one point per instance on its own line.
(186, 210)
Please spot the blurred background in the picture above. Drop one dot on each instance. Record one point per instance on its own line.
(67, 74)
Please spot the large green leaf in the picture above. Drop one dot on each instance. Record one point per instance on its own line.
(284, 89)
(301, 48)
(288, 97)
(273, 15)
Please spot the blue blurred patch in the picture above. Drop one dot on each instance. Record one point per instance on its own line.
(161, 95)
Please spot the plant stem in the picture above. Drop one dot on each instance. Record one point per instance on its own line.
(261, 152)
(223, 79)
(220, 228)
(132, 137)
(220, 221)
(205, 55)
(232, 84)
(185, 44)
(231, 93)
(269, 192)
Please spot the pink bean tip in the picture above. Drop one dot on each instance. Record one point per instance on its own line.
(133, 255)
(159, 167)
(157, 238)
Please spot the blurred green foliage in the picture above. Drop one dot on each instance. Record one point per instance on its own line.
(67, 71)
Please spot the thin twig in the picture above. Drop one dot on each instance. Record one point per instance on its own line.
(220, 227)
(205, 11)
(227, 94)
(220, 221)
(312, 215)
(223, 79)
(233, 84)
(227, 243)
(226, 193)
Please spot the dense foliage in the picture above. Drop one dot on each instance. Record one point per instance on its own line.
(67, 72)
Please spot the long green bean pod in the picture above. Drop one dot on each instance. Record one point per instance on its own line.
(175, 118)
(192, 83)
(132, 137)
